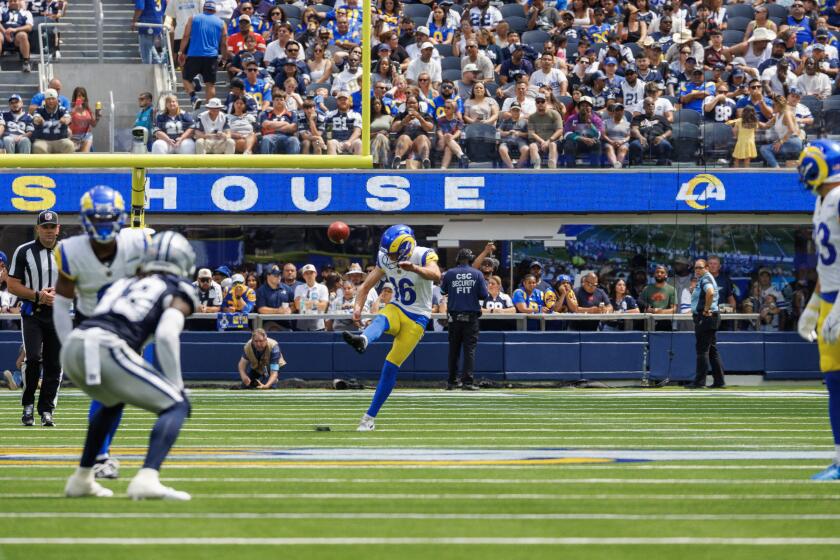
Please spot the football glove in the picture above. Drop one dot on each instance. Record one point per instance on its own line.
(831, 326)
(807, 324)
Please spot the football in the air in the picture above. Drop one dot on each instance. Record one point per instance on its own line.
(338, 232)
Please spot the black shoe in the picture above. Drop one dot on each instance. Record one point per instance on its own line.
(451, 386)
(694, 386)
(357, 341)
(28, 418)
(469, 387)
(464, 162)
(47, 420)
(395, 164)
(198, 82)
(717, 386)
(427, 163)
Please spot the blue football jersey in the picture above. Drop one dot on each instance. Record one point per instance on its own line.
(131, 308)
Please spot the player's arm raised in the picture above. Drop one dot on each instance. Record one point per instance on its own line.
(361, 296)
(429, 271)
(168, 339)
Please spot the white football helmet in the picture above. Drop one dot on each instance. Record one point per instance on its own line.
(170, 253)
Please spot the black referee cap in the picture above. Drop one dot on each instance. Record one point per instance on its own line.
(47, 217)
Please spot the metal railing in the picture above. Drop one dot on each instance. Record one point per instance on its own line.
(45, 68)
(521, 319)
(170, 76)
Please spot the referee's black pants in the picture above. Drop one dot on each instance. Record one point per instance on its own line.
(43, 349)
(708, 357)
(462, 334)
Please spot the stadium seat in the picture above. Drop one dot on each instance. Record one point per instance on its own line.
(481, 143)
(739, 11)
(518, 24)
(419, 21)
(444, 50)
(732, 37)
(537, 36)
(718, 141)
(738, 23)
(331, 103)
(686, 141)
(322, 8)
(453, 74)
(816, 107)
(491, 88)
(831, 115)
(687, 116)
(515, 10)
(776, 11)
(416, 10)
(450, 63)
(291, 11)
(636, 49)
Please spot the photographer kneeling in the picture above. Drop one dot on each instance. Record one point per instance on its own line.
(261, 361)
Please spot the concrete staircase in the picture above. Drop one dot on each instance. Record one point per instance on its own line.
(80, 40)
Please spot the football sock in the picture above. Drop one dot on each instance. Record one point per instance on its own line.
(104, 452)
(378, 326)
(832, 382)
(164, 434)
(387, 380)
(98, 427)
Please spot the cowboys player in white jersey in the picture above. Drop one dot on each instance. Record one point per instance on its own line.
(412, 270)
(102, 357)
(89, 263)
(819, 171)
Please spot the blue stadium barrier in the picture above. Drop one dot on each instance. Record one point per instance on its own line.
(501, 356)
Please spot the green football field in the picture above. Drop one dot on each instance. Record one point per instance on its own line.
(503, 474)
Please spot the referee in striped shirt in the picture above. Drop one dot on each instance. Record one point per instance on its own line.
(32, 279)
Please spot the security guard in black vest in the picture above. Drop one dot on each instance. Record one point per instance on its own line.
(465, 287)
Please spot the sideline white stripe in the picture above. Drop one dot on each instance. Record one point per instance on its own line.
(490, 481)
(436, 516)
(706, 433)
(258, 541)
(490, 497)
(291, 466)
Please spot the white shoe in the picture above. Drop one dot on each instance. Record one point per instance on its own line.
(10, 380)
(146, 486)
(367, 424)
(109, 468)
(617, 165)
(81, 484)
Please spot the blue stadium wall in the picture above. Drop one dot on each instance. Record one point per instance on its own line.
(502, 356)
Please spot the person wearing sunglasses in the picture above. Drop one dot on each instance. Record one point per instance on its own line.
(209, 292)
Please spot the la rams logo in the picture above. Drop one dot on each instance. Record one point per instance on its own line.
(691, 193)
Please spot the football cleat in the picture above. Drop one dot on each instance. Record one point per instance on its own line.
(81, 484)
(831, 473)
(28, 418)
(146, 486)
(357, 341)
(367, 424)
(109, 468)
(47, 420)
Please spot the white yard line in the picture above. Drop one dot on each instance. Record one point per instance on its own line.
(477, 497)
(425, 541)
(433, 516)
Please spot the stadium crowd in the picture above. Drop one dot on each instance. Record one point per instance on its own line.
(538, 289)
(532, 84)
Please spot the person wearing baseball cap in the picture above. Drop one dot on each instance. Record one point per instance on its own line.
(199, 52)
(34, 286)
(545, 128)
(274, 298)
(209, 292)
(239, 298)
(311, 298)
(583, 134)
(18, 127)
(426, 63)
